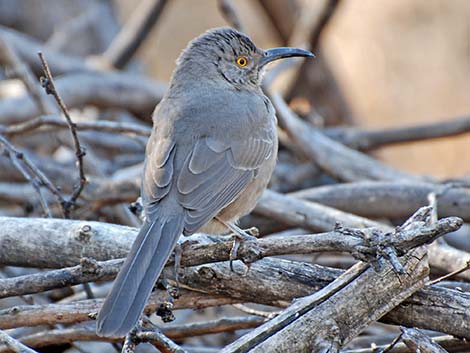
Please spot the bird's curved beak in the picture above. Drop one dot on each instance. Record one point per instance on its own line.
(282, 53)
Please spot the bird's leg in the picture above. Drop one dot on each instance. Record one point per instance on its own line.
(241, 236)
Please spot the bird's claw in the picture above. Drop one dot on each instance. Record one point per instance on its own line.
(253, 253)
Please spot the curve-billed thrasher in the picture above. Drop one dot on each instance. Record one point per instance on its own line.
(210, 156)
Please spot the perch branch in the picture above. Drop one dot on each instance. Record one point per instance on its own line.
(270, 281)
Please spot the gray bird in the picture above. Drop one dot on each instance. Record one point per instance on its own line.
(211, 153)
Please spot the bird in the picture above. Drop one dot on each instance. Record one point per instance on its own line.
(211, 153)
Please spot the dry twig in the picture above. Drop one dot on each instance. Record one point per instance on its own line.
(49, 86)
(40, 179)
(52, 121)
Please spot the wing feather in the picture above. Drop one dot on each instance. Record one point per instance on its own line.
(211, 177)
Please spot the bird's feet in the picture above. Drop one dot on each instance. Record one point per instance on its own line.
(251, 253)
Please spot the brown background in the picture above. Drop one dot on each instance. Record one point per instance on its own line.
(398, 62)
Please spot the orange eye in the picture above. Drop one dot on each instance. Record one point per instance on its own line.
(242, 61)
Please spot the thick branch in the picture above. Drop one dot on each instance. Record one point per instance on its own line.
(334, 158)
(41, 242)
(84, 310)
(366, 140)
(104, 90)
(391, 199)
(270, 281)
(49, 86)
(357, 298)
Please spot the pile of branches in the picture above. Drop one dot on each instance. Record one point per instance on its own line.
(347, 243)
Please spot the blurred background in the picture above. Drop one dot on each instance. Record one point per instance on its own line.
(395, 63)
(381, 64)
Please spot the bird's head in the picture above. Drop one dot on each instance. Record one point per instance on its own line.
(229, 55)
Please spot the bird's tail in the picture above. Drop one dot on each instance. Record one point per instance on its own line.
(149, 253)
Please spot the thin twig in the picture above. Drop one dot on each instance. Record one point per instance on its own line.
(449, 275)
(39, 175)
(248, 310)
(33, 181)
(160, 341)
(392, 344)
(49, 86)
(447, 342)
(53, 121)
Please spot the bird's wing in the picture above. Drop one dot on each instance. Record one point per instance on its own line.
(213, 174)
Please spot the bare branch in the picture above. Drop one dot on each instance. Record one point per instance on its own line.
(270, 281)
(389, 199)
(325, 17)
(85, 310)
(452, 274)
(87, 332)
(43, 121)
(447, 342)
(133, 34)
(50, 88)
(160, 341)
(366, 140)
(419, 342)
(333, 157)
(13, 344)
(104, 90)
(20, 158)
(371, 293)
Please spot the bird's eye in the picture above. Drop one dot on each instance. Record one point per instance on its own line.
(242, 61)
